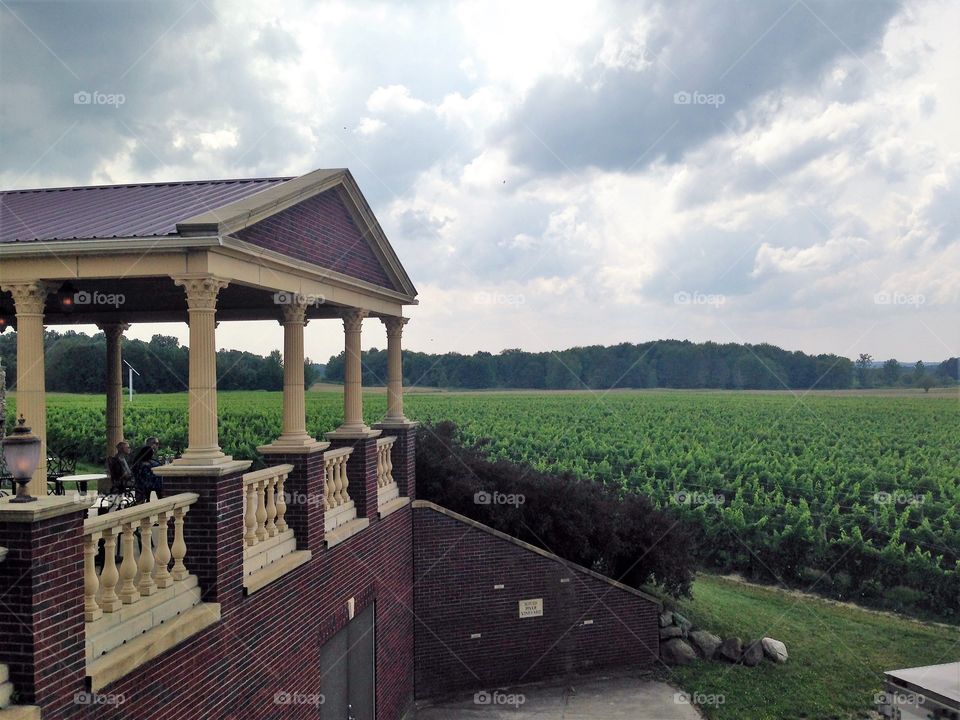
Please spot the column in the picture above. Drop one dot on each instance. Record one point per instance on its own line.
(353, 425)
(203, 441)
(29, 298)
(114, 334)
(394, 369)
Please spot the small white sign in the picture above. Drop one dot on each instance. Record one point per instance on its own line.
(531, 608)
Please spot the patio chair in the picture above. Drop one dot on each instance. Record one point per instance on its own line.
(61, 463)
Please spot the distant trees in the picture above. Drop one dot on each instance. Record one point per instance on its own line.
(864, 363)
(891, 372)
(75, 363)
(665, 363)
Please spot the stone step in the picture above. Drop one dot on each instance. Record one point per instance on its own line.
(277, 568)
(264, 546)
(261, 560)
(168, 603)
(20, 712)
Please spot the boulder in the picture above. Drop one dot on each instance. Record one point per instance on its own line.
(775, 650)
(666, 618)
(668, 633)
(681, 622)
(753, 654)
(677, 652)
(706, 643)
(730, 650)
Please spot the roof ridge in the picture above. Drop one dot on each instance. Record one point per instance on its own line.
(160, 183)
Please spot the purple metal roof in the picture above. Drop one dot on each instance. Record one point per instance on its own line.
(106, 211)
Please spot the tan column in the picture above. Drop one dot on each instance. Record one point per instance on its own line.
(30, 297)
(294, 402)
(353, 425)
(394, 369)
(114, 334)
(203, 442)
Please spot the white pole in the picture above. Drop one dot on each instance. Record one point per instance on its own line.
(130, 383)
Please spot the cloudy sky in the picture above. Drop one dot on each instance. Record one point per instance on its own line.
(551, 174)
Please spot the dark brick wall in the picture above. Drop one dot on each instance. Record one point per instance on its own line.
(265, 644)
(321, 231)
(457, 565)
(41, 627)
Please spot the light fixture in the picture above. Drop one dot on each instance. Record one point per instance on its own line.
(65, 296)
(4, 322)
(21, 449)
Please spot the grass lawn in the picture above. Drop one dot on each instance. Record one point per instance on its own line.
(837, 653)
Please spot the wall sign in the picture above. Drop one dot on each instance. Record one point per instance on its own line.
(531, 608)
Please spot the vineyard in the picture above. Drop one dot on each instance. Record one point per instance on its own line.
(855, 497)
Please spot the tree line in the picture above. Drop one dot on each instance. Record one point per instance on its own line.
(660, 364)
(76, 363)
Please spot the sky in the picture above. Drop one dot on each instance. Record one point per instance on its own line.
(551, 174)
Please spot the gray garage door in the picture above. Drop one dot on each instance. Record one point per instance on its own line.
(347, 666)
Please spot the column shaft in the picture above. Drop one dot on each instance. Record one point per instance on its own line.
(29, 298)
(294, 402)
(114, 335)
(394, 368)
(353, 372)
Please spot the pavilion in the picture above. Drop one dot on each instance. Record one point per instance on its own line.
(290, 249)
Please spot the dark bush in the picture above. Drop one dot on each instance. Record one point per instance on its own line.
(620, 535)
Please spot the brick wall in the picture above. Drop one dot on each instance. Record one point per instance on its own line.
(265, 644)
(588, 623)
(321, 231)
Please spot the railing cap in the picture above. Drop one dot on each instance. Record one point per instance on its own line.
(387, 440)
(267, 472)
(337, 452)
(138, 512)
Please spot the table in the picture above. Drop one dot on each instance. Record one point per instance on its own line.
(94, 478)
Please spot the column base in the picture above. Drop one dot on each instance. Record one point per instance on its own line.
(293, 446)
(176, 469)
(353, 433)
(212, 456)
(397, 424)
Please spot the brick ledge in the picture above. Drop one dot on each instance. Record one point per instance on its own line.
(259, 579)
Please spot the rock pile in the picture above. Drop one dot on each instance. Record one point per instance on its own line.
(682, 644)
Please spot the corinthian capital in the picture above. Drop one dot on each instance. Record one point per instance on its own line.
(30, 297)
(394, 325)
(353, 319)
(201, 290)
(295, 311)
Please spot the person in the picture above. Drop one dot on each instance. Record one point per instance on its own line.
(119, 467)
(145, 480)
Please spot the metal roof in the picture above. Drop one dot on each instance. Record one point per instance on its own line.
(941, 680)
(108, 211)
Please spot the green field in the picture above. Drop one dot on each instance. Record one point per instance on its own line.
(837, 653)
(851, 496)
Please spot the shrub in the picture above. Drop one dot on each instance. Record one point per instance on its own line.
(583, 521)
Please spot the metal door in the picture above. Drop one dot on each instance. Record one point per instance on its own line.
(347, 664)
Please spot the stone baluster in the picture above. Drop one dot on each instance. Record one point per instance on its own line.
(261, 513)
(161, 573)
(271, 487)
(128, 568)
(179, 549)
(109, 576)
(91, 583)
(250, 520)
(146, 586)
(281, 503)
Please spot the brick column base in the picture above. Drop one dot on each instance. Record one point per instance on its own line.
(213, 528)
(41, 612)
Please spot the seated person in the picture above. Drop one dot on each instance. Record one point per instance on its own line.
(144, 479)
(118, 466)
